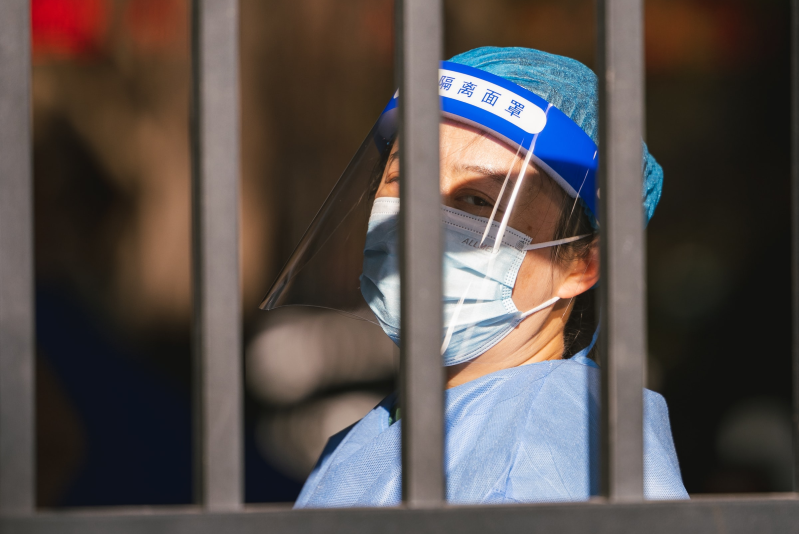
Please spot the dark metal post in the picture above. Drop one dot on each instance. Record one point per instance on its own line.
(623, 283)
(17, 440)
(215, 253)
(422, 379)
(795, 229)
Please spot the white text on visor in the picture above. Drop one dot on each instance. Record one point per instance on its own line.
(492, 98)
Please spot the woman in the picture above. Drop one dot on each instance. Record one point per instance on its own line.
(519, 202)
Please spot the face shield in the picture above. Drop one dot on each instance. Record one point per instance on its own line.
(517, 179)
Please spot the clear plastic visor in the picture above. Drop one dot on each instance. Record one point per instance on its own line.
(511, 235)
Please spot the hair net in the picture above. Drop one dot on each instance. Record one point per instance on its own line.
(569, 86)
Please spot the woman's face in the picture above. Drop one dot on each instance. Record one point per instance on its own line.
(474, 166)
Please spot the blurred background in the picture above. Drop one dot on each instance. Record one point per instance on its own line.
(111, 164)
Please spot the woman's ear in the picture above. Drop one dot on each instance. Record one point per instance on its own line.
(581, 275)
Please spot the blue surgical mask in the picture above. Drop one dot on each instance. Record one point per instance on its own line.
(478, 279)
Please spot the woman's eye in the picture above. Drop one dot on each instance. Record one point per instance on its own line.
(477, 201)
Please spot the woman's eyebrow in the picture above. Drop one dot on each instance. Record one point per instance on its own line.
(494, 173)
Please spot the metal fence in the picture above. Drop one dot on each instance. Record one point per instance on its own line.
(217, 341)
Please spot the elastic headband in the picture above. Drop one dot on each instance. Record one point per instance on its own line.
(518, 117)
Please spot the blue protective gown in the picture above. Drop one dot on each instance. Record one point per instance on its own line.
(525, 434)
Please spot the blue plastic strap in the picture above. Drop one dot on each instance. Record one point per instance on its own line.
(518, 117)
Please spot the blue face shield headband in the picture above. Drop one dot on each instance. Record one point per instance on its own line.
(518, 117)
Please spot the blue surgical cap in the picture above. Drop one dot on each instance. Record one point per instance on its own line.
(568, 85)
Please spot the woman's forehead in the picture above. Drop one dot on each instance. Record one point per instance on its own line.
(467, 151)
(455, 136)
(466, 143)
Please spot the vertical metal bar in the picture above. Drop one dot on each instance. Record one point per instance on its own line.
(623, 284)
(17, 439)
(419, 49)
(215, 253)
(795, 229)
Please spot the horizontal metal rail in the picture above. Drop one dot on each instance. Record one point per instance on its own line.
(774, 515)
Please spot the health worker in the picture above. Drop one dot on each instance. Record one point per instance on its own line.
(519, 201)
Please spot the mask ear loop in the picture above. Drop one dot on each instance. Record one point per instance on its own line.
(553, 300)
(540, 307)
(546, 244)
